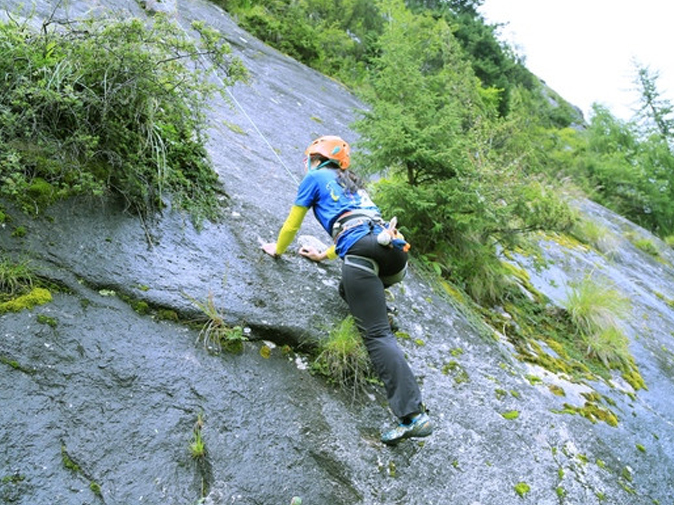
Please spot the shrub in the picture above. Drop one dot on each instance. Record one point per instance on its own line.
(93, 107)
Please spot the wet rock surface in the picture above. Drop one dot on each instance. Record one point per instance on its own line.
(101, 407)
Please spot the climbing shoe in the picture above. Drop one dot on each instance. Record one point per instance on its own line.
(419, 426)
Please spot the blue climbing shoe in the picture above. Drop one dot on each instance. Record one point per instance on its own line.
(419, 426)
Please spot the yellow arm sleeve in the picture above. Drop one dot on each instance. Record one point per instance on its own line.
(290, 228)
(330, 252)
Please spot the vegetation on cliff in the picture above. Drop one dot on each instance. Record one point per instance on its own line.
(95, 107)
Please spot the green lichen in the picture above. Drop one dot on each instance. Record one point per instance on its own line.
(96, 489)
(566, 241)
(533, 379)
(141, 307)
(15, 365)
(13, 479)
(38, 296)
(453, 292)
(592, 412)
(522, 488)
(167, 315)
(511, 414)
(68, 462)
(234, 127)
(457, 371)
(556, 390)
(633, 377)
(265, 351)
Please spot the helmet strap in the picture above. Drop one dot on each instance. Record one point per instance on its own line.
(319, 166)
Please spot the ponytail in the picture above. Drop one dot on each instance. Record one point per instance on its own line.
(345, 177)
(349, 181)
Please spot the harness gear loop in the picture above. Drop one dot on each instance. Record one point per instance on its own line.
(362, 262)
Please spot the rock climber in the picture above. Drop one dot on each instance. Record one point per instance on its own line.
(374, 257)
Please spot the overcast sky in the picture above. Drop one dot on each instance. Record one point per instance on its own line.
(584, 49)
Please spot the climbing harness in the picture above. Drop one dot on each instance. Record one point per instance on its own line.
(371, 218)
(362, 262)
(354, 218)
(370, 265)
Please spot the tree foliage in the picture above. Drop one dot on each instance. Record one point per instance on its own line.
(333, 37)
(431, 129)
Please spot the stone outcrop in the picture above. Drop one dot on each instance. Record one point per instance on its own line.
(102, 405)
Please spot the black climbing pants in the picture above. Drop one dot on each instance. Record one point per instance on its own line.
(363, 290)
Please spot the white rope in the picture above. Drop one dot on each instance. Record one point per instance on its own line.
(229, 92)
(212, 69)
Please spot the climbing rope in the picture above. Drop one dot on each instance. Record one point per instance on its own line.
(243, 111)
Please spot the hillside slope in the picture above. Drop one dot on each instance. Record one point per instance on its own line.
(102, 405)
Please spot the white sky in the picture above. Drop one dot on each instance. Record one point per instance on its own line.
(584, 49)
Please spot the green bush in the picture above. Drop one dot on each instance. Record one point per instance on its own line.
(95, 107)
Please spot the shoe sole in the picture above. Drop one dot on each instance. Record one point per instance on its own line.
(424, 431)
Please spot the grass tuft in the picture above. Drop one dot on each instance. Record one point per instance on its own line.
(215, 334)
(15, 278)
(596, 309)
(343, 358)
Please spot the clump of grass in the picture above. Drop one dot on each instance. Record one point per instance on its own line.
(643, 244)
(596, 235)
(15, 278)
(215, 334)
(343, 358)
(197, 445)
(596, 309)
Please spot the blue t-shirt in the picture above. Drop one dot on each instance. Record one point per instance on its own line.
(321, 191)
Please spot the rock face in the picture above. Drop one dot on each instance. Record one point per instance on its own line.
(102, 405)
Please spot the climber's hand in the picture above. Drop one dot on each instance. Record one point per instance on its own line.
(312, 253)
(270, 249)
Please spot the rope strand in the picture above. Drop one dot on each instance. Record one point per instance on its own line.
(229, 92)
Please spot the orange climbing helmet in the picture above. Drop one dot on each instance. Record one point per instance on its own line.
(333, 148)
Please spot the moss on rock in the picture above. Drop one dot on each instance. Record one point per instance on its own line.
(38, 296)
